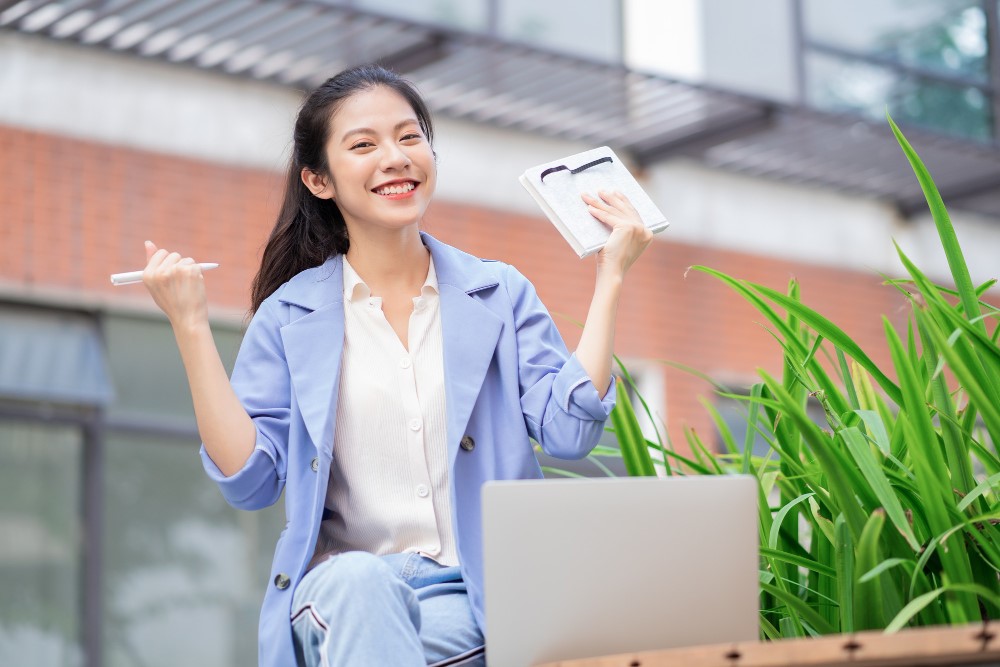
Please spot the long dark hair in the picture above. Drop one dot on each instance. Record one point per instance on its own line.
(309, 229)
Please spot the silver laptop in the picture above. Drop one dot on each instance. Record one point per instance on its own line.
(584, 568)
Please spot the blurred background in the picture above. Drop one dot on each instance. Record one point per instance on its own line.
(758, 128)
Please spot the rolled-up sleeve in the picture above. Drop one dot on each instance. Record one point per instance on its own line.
(261, 381)
(577, 394)
(562, 408)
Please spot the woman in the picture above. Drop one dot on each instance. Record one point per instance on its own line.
(384, 377)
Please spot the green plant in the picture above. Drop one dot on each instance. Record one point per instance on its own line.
(887, 517)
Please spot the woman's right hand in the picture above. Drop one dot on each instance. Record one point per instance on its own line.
(177, 286)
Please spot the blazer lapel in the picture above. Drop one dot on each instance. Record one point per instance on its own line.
(470, 331)
(314, 344)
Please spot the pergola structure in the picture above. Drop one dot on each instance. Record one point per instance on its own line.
(487, 79)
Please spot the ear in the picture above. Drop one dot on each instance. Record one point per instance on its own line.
(317, 184)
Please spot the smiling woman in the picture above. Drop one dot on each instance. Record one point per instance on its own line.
(384, 378)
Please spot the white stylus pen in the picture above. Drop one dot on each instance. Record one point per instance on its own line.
(131, 277)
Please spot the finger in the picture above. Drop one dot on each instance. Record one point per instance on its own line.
(161, 264)
(171, 259)
(150, 250)
(614, 201)
(617, 199)
(603, 216)
(590, 200)
(186, 261)
(606, 195)
(153, 263)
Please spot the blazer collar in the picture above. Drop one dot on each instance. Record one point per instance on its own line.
(323, 285)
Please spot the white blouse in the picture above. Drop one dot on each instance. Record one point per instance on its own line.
(388, 490)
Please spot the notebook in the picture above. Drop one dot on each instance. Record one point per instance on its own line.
(557, 187)
(592, 567)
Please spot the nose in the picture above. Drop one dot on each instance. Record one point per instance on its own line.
(394, 158)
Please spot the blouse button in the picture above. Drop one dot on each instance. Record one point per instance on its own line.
(281, 582)
(423, 491)
(315, 464)
(468, 444)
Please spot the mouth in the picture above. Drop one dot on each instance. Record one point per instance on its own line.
(396, 189)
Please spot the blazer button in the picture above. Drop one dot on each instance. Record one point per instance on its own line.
(468, 444)
(315, 464)
(281, 582)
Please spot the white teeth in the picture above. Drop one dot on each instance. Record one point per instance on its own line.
(396, 189)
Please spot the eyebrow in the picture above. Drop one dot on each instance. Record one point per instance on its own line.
(368, 130)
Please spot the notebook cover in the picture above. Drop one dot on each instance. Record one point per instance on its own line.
(559, 196)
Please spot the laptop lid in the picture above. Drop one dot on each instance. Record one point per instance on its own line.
(588, 567)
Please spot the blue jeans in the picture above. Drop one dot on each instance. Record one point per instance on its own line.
(403, 609)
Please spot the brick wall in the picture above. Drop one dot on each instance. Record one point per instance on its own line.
(73, 211)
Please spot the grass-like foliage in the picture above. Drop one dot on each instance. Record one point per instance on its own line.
(885, 516)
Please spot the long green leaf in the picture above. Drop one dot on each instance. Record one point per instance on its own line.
(918, 603)
(923, 449)
(989, 484)
(645, 407)
(772, 539)
(971, 379)
(974, 327)
(876, 429)
(844, 559)
(834, 334)
(868, 614)
(635, 452)
(842, 477)
(872, 471)
(884, 566)
(748, 437)
(946, 231)
(799, 561)
(801, 610)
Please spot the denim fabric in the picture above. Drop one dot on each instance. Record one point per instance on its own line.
(401, 610)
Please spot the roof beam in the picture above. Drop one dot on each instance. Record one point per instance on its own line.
(908, 207)
(431, 49)
(713, 134)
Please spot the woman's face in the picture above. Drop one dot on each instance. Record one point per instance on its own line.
(382, 167)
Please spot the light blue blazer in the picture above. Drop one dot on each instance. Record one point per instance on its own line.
(508, 377)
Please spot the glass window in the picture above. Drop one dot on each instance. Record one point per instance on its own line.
(590, 28)
(926, 62)
(147, 370)
(840, 84)
(947, 36)
(184, 573)
(40, 495)
(50, 355)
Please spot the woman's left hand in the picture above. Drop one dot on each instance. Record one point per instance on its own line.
(629, 237)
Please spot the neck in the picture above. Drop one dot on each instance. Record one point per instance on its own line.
(389, 260)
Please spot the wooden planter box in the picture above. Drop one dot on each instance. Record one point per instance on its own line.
(943, 645)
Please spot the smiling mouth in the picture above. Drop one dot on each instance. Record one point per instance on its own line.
(396, 189)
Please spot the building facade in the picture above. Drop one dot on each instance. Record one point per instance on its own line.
(117, 550)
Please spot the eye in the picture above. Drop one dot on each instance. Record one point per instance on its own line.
(410, 136)
(362, 144)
